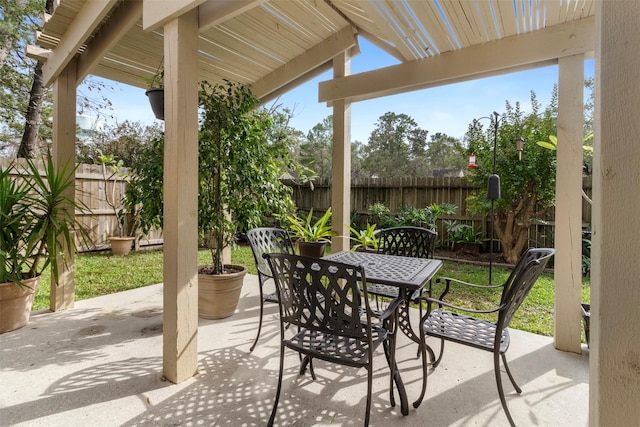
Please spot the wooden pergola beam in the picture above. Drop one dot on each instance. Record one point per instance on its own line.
(318, 56)
(516, 53)
(88, 19)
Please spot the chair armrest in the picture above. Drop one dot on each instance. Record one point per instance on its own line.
(450, 280)
(389, 311)
(441, 303)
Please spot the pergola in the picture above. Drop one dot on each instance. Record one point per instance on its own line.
(278, 44)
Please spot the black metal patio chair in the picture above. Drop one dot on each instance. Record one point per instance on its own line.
(322, 299)
(267, 240)
(482, 334)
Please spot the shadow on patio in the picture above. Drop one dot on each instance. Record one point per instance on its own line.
(101, 364)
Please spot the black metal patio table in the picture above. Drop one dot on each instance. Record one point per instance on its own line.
(408, 274)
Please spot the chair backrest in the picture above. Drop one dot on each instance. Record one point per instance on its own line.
(525, 274)
(416, 242)
(268, 240)
(319, 295)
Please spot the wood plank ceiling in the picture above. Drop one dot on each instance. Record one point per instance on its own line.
(263, 40)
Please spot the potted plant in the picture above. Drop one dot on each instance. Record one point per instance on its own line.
(463, 236)
(365, 240)
(239, 185)
(312, 237)
(155, 93)
(37, 223)
(122, 238)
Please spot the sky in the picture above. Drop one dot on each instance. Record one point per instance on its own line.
(447, 109)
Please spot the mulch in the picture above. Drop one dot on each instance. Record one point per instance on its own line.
(479, 258)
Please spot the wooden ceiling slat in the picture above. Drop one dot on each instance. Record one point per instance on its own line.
(262, 39)
(564, 8)
(434, 26)
(422, 33)
(220, 44)
(456, 19)
(387, 32)
(553, 12)
(399, 13)
(476, 26)
(506, 13)
(487, 20)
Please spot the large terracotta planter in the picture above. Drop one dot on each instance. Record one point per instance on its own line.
(121, 245)
(16, 303)
(312, 249)
(218, 294)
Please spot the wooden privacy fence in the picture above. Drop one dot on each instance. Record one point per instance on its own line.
(394, 193)
(99, 220)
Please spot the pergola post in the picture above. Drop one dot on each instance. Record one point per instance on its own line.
(568, 227)
(180, 322)
(614, 359)
(341, 161)
(64, 152)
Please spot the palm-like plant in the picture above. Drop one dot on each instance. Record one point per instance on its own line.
(37, 220)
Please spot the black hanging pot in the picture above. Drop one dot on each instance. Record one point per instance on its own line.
(156, 99)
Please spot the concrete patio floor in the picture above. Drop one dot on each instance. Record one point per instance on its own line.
(100, 364)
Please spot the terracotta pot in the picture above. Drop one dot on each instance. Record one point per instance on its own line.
(16, 303)
(312, 249)
(121, 245)
(218, 294)
(156, 99)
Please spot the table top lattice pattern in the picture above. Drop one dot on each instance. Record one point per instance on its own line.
(407, 272)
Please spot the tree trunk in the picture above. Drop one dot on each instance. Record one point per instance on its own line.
(29, 147)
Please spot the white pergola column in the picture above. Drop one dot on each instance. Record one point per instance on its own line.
(568, 219)
(64, 153)
(180, 322)
(614, 359)
(341, 163)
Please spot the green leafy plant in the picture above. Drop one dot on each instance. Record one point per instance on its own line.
(424, 217)
(157, 80)
(112, 171)
(364, 239)
(527, 185)
(37, 220)
(308, 230)
(462, 233)
(239, 170)
(144, 192)
(410, 215)
(552, 145)
(239, 174)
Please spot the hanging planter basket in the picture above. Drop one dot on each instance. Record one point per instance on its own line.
(156, 99)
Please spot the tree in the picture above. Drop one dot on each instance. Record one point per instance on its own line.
(316, 151)
(445, 152)
(396, 147)
(21, 107)
(528, 186)
(126, 141)
(25, 104)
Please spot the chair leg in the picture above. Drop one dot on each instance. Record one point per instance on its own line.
(506, 368)
(423, 352)
(496, 365)
(259, 321)
(369, 391)
(392, 359)
(435, 362)
(275, 404)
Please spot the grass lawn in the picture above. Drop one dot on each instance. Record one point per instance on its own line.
(103, 273)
